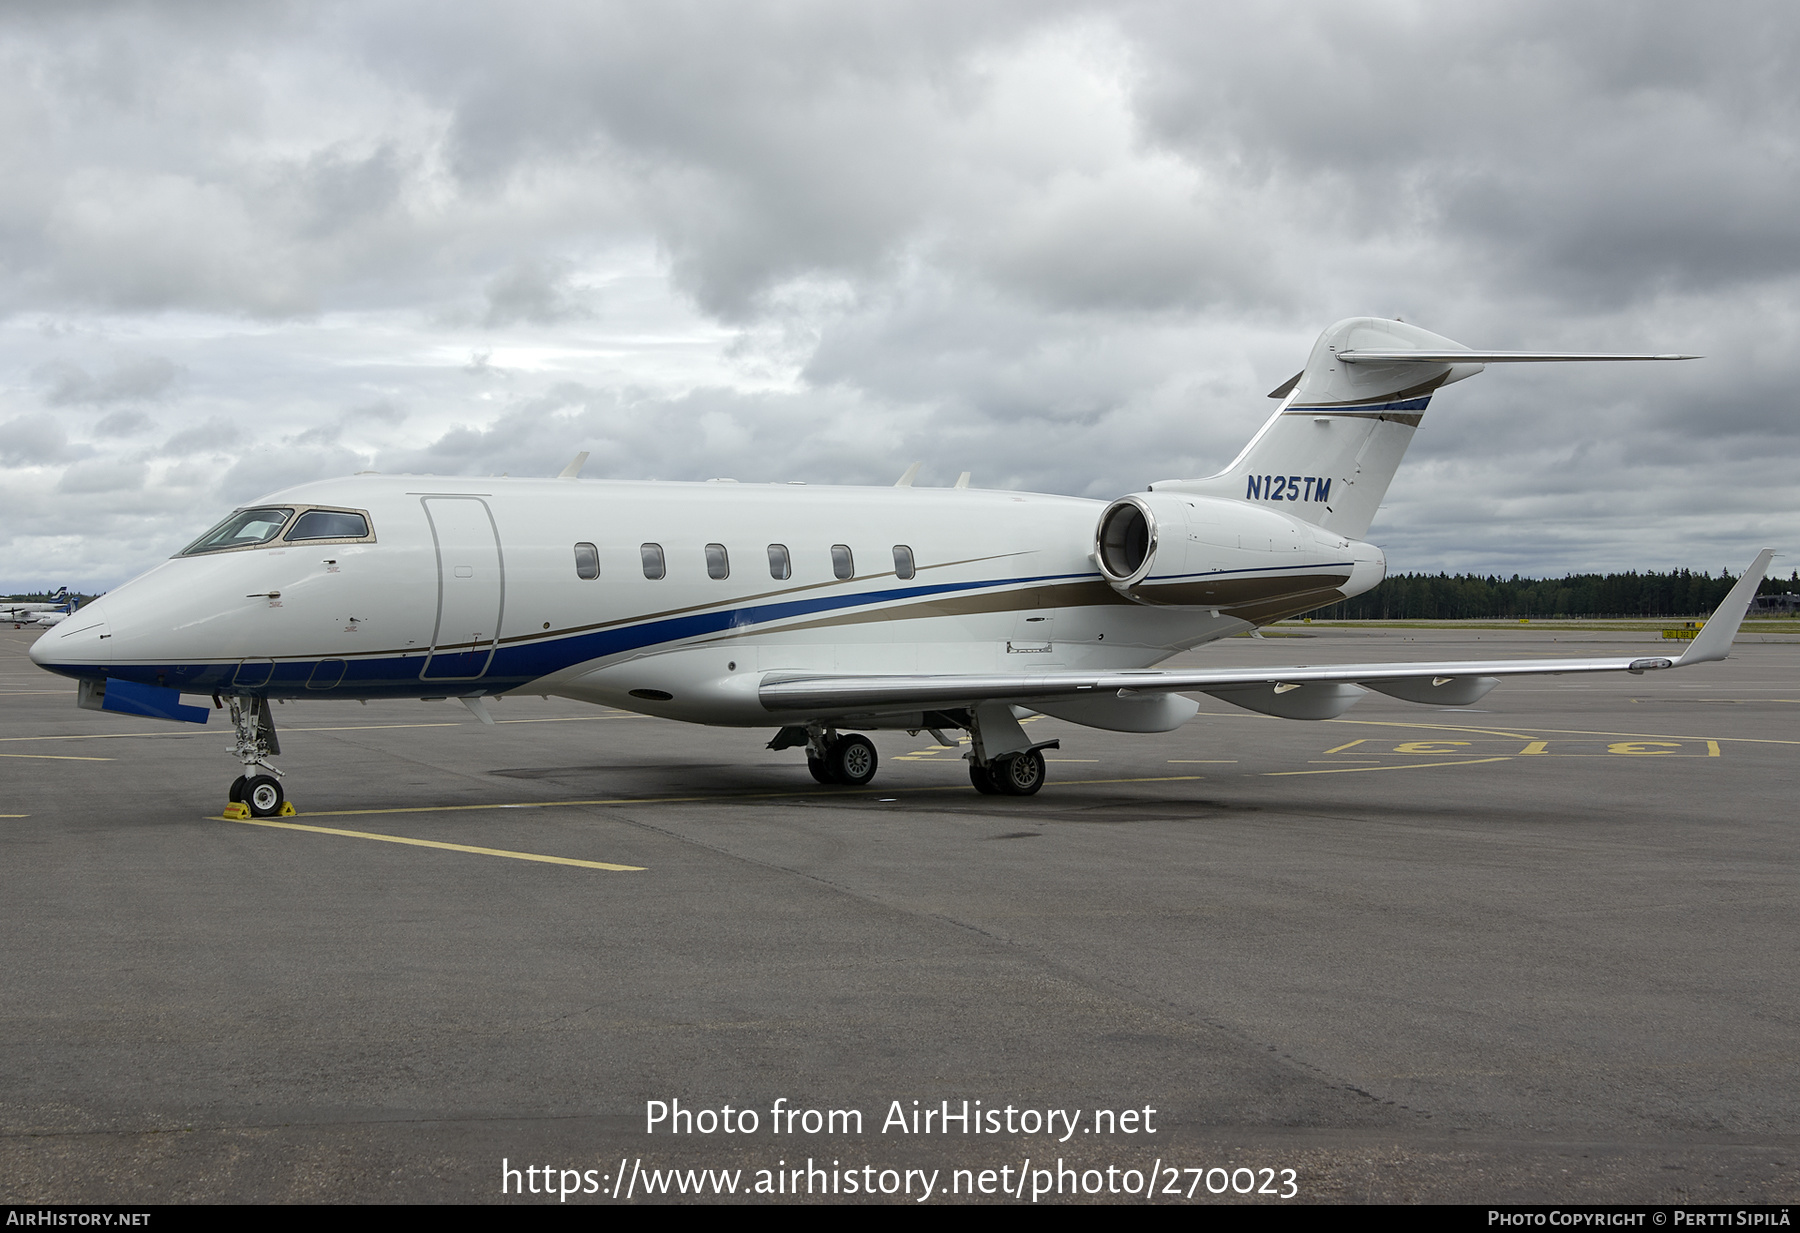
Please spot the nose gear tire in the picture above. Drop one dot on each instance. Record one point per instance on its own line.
(264, 796)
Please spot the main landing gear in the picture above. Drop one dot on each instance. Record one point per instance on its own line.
(255, 794)
(1003, 761)
(1017, 774)
(849, 760)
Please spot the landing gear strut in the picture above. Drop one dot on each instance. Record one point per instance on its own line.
(254, 744)
(1002, 759)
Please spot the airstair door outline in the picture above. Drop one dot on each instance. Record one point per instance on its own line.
(471, 588)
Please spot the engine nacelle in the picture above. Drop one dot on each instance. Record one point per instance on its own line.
(1177, 550)
(1130, 537)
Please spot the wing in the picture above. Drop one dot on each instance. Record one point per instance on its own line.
(1310, 692)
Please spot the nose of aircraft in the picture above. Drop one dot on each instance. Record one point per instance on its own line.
(80, 639)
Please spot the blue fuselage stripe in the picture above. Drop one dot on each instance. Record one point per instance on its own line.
(519, 663)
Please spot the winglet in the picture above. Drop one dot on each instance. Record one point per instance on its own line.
(912, 473)
(574, 468)
(962, 481)
(1714, 639)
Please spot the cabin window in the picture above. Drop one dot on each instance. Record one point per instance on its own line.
(842, 566)
(903, 562)
(780, 568)
(244, 529)
(718, 564)
(329, 524)
(654, 566)
(587, 561)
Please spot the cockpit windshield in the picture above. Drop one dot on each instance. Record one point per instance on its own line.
(329, 524)
(243, 529)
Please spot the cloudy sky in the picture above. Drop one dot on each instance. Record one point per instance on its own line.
(1066, 247)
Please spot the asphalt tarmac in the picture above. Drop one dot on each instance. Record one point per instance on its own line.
(1540, 949)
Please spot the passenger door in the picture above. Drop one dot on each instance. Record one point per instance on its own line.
(471, 588)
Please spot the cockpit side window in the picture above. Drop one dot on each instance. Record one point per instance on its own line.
(244, 529)
(329, 524)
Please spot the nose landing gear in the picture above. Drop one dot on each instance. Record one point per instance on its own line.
(253, 794)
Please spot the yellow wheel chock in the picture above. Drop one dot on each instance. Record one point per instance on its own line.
(237, 811)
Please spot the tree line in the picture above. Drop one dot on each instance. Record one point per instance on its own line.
(1446, 597)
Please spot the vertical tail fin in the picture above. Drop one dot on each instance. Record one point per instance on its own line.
(1345, 420)
(1333, 445)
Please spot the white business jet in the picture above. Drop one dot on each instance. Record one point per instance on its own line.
(821, 612)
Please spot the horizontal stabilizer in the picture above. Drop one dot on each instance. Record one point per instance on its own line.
(1366, 356)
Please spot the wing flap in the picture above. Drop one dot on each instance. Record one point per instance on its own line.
(1453, 682)
(782, 691)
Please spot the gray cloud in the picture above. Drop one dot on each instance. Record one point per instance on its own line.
(266, 470)
(129, 379)
(217, 435)
(102, 475)
(34, 441)
(1067, 246)
(531, 292)
(124, 424)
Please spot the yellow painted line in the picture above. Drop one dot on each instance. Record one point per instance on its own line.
(368, 727)
(819, 793)
(105, 736)
(1524, 753)
(99, 736)
(1139, 779)
(1351, 745)
(1644, 736)
(1737, 700)
(433, 843)
(1414, 766)
(621, 800)
(1202, 761)
(575, 719)
(55, 757)
(1437, 727)
(14, 815)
